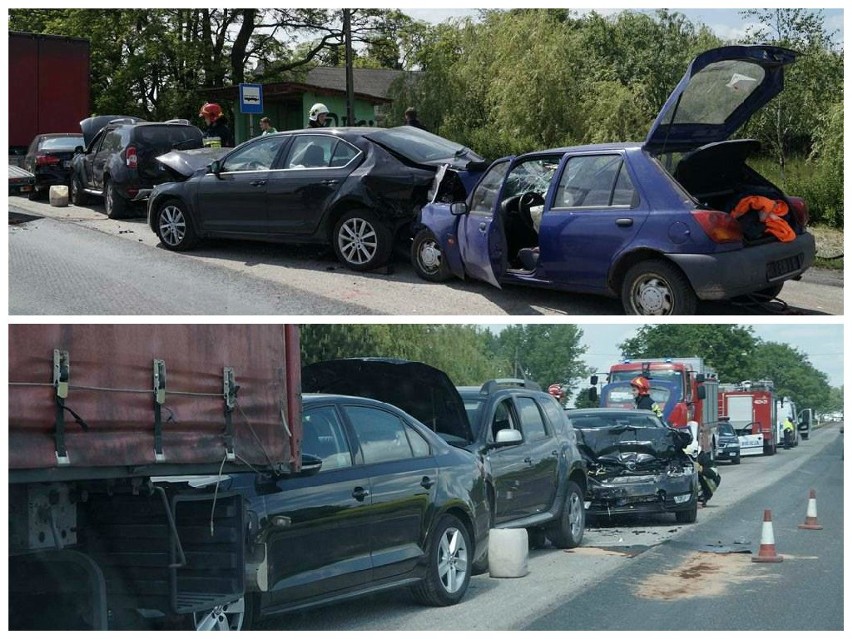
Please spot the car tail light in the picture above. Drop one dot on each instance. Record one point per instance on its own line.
(720, 227)
(46, 160)
(800, 210)
(130, 157)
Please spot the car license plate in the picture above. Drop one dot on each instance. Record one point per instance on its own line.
(66, 164)
(783, 267)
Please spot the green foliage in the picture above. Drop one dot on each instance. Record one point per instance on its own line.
(793, 375)
(726, 348)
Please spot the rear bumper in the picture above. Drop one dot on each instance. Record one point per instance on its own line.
(747, 270)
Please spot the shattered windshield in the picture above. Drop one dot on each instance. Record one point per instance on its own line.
(608, 420)
(532, 175)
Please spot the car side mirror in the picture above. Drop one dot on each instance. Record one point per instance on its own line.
(78, 149)
(700, 378)
(594, 380)
(311, 465)
(459, 208)
(702, 392)
(508, 437)
(215, 168)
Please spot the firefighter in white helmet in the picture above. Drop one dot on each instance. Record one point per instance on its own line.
(317, 115)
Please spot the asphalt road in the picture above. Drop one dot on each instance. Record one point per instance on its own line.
(247, 278)
(594, 587)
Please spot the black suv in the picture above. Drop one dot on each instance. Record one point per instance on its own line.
(119, 159)
(536, 475)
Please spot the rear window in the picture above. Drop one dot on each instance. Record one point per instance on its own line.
(601, 419)
(61, 144)
(168, 137)
(421, 146)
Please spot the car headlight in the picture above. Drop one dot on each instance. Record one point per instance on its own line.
(682, 499)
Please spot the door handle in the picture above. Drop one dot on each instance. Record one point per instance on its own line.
(360, 494)
(258, 182)
(483, 226)
(528, 460)
(329, 182)
(427, 482)
(555, 453)
(624, 221)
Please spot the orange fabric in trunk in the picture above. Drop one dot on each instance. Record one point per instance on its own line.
(771, 213)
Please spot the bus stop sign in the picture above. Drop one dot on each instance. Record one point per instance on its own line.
(251, 98)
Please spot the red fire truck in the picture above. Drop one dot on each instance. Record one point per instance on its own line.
(751, 409)
(698, 398)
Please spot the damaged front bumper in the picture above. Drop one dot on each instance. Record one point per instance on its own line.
(651, 493)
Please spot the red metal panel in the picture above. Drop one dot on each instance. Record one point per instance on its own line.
(63, 85)
(23, 90)
(112, 390)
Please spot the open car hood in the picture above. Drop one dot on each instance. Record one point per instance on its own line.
(721, 90)
(619, 395)
(183, 164)
(90, 126)
(422, 391)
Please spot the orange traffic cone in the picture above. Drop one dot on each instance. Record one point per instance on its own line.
(811, 522)
(766, 554)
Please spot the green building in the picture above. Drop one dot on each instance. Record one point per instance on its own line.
(286, 104)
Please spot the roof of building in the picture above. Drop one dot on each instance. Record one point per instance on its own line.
(375, 82)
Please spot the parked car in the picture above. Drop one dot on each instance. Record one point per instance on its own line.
(49, 159)
(536, 476)
(119, 162)
(20, 181)
(358, 189)
(636, 463)
(727, 443)
(383, 503)
(651, 223)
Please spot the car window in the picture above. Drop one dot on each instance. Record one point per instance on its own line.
(112, 142)
(473, 408)
(716, 91)
(256, 156)
(167, 137)
(485, 194)
(595, 181)
(381, 435)
(61, 144)
(726, 429)
(419, 445)
(343, 154)
(532, 175)
(532, 423)
(96, 141)
(421, 146)
(554, 412)
(311, 152)
(503, 419)
(323, 437)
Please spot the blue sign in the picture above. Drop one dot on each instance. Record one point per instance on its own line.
(251, 98)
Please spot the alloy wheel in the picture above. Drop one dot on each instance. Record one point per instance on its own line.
(172, 225)
(357, 241)
(453, 562)
(228, 616)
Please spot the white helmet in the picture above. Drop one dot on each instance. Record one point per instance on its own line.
(316, 110)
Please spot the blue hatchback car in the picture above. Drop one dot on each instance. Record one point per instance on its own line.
(660, 224)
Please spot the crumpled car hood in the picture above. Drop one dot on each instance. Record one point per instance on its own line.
(424, 392)
(184, 164)
(629, 448)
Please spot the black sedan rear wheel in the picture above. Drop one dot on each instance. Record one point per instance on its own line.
(427, 257)
(449, 564)
(78, 195)
(361, 241)
(655, 287)
(174, 228)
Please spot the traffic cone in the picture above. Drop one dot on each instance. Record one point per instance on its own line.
(766, 554)
(811, 522)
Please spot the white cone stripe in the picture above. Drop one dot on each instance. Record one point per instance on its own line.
(812, 508)
(767, 538)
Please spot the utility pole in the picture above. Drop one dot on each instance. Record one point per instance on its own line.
(350, 84)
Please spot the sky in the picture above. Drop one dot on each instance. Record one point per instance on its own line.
(728, 24)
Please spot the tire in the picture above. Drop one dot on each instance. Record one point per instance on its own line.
(114, 203)
(78, 195)
(174, 226)
(804, 436)
(537, 538)
(771, 292)
(448, 565)
(567, 531)
(428, 259)
(736, 460)
(687, 516)
(230, 616)
(361, 241)
(655, 287)
(35, 194)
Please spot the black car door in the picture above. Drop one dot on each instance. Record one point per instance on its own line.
(86, 162)
(111, 144)
(234, 201)
(403, 484)
(509, 467)
(304, 186)
(541, 449)
(321, 542)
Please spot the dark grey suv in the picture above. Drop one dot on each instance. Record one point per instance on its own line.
(536, 475)
(119, 162)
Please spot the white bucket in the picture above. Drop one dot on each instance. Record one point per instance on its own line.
(59, 195)
(508, 549)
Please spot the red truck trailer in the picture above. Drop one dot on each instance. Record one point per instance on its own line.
(750, 406)
(48, 86)
(98, 415)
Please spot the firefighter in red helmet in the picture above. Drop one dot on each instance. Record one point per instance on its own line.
(642, 395)
(217, 132)
(556, 391)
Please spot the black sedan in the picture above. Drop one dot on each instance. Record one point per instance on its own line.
(390, 505)
(358, 189)
(637, 464)
(49, 159)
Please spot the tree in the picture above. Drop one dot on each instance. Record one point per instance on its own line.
(792, 374)
(727, 349)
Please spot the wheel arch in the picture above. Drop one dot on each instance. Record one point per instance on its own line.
(626, 261)
(165, 198)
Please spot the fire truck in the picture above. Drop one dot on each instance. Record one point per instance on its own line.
(750, 406)
(693, 403)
